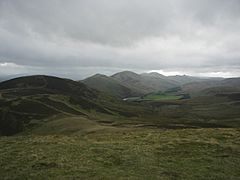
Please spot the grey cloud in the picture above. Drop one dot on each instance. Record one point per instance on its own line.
(104, 21)
(109, 36)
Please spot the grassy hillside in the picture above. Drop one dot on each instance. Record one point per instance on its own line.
(110, 86)
(203, 88)
(33, 101)
(184, 79)
(144, 83)
(123, 153)
(62, 129)
(129, 84)
(28, 100)
(152, 82)
(177, 80)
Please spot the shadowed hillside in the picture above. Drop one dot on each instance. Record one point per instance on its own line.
(27, 100)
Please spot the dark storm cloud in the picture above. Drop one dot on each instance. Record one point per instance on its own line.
(81, 37)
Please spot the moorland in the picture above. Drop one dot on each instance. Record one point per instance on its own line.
(128, 125)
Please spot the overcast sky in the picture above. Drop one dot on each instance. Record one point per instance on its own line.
(78, 38)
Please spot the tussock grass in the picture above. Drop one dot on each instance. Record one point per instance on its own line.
(132, 153)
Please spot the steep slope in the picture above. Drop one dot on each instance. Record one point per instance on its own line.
(132, 81)
(152, 82)
(154, 74)
(109, 85)
(144, 83)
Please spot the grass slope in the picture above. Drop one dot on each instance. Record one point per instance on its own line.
(123, 154)
(110, 86)
(31, 101)
(144, 83)
(206, 87)
(35, 98)
(65, 130)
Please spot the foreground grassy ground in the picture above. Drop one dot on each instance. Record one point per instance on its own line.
(127, 153)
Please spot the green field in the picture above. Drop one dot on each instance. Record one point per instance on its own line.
(123, 153)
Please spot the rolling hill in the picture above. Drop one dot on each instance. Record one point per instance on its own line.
(27, 101)
(154, 82)
(129, 84)
(144, 83)
(61, 128)
(46, 102)
(211, 86)
(110, 86)
(184, 79)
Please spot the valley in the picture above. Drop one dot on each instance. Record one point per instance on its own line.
(119, 90)
(59, 128)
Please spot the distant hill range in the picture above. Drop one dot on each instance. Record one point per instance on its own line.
(229, 85)
(129, 84)
(33, 101)
(144, 83)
